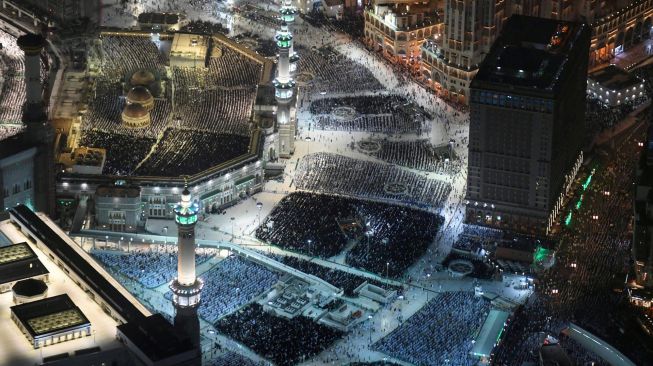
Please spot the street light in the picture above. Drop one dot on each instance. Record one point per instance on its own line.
(309, 247)
(387, 269)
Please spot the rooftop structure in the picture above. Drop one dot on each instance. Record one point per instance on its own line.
(51, 320)
(189, 50)
(532, 55)
(153, 339)
(29, 290)
(19, 262)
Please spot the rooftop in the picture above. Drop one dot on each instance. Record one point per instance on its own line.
(18, 262)
(614, 78)
(49, 315)
(156, 337)
(118, 191)
(531, 52)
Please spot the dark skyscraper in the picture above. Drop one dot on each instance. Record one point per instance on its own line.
(527, 123)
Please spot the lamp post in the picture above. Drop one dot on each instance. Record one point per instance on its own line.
(232, 228)
(259, 205)
(387, 269)
(309, 247)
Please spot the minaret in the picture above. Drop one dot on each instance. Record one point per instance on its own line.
(38, 131)
(284, 91)
(186, 288)
(288, 11)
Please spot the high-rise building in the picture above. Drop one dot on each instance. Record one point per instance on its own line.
(450, 61)
(187, 287)
(399, 27)
(527, 123)
(642, 248)
(285, 92)
(470, 27)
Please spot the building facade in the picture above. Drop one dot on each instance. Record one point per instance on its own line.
(642, 248)
(527, 123)
(399, 27)
(450, 62)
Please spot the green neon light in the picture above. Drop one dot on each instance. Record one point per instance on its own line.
(540, 254)
(499, 336)
(568, 219)
(589, 179)
(579, 202)
(186, 220)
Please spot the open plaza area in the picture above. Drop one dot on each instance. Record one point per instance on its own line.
(289, 183)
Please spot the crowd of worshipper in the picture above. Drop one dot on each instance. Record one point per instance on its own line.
(7, 131)
(203, 27)
(306, 223)
(121, 56)
(473, 238)
(333, 173)
(231, 284)
(352, 26)
(364, 104)
(255, 13)
(395, 238)
(599, 117)
(12, 82)
(417, 154)
(229, 358)
(187, 152)
(580, 354)
(210, 109)
(333, 72)
(383, 123)
(281, 340)
(371, 113)
(232, 69)
(346, 281)
(440, 333)
(389, 238)
(593, 263)
(123, 152)
(149, 268)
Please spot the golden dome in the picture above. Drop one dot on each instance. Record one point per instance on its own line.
(142, 77)
(134, 111)
(140, 95)
(135, 116)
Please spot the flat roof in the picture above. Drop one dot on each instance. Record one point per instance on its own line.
(118, 191)
(614, 78)
(50, 315)
(155, 337)
(189, 45)
(490, 333)
(18, 262)
(77, 263)
(531, 52)
(14, 144)
(16, 252)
